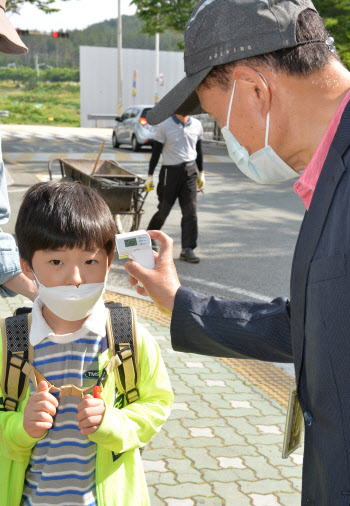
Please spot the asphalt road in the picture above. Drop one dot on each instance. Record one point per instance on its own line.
(247, 232)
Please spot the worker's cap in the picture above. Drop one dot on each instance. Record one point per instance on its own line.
(223, 31)
(10, 43)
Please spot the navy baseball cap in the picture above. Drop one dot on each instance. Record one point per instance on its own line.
(223, 31)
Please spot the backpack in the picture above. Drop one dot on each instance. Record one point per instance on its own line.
(18, 355)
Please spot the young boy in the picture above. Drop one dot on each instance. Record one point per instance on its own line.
(68, 450)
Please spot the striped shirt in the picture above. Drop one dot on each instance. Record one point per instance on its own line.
(61, 470)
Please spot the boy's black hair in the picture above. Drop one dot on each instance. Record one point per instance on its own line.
(63, 214)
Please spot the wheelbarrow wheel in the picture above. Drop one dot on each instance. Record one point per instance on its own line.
(126, 222)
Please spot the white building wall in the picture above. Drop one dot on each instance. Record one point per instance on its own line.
(99, 78)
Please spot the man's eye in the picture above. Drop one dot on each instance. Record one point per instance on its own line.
(55, 262)
(91, 262)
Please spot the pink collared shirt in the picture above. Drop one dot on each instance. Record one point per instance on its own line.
(306, 184)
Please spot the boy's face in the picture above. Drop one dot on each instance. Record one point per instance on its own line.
(65, 266)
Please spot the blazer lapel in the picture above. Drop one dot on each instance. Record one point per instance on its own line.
(308, 239)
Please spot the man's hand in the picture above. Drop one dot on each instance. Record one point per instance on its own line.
(90, 414)
(160, 283)
(200, 180)
(149, 183)
(39, 412)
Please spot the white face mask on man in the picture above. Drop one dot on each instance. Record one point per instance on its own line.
(69, 302)
(264, 166)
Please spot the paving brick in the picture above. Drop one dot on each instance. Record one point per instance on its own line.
(167, 478)
(160, 440)
(266, 439)
(273, 453)
(181, 415)
(184, 470)
(201, 432)
(289, 499)
(267, 409)
(296, 483)
(238, 413)
(231, 462)
(203, 408)
(229, 435)
(154, 465)
(231, 494)
(184, 490)
(179, 502)
(205, 422)
(192, 380)
(267, 486)
(175, 430)
(199, 442)
(279, 420)
(264, 500)
(242, 426)
(154, 500)
(262, 468)
(161, 453)
(291, 472)
(208, 501)
(179, 387)
(201, 458)
(228, 475)
(233, 451)
(216, 400)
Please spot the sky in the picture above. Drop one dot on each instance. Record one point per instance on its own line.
(73, 14)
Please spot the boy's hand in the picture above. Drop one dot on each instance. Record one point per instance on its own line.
(39, 411)
(90, 414)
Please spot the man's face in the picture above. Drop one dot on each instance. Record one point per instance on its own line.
(215, 102)
(247, 123)
(184, 119)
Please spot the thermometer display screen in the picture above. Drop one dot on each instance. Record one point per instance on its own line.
(130, 242)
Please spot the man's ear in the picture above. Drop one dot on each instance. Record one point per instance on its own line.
(26, 269)
(254, 86)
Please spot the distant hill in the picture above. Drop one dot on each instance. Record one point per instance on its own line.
(65, 52)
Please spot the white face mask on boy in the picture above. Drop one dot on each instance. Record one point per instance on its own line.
(69, 302)
(264, 166)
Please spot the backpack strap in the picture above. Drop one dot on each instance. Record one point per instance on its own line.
(16, 352)
(123, 343)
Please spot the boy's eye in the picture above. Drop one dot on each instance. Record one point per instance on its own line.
(55, 262)
(91, 262)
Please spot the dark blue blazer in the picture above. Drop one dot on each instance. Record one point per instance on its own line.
(312, 330)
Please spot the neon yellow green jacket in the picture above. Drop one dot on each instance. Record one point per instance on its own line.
(124, 430)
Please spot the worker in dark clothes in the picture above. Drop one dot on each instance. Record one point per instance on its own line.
(178, 139)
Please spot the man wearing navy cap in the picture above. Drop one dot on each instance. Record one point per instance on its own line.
(268, 72)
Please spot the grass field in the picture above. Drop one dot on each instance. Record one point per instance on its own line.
(56, 104)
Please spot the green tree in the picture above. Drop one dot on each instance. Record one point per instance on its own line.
(161, 15)
(43, 5)
(336, 15)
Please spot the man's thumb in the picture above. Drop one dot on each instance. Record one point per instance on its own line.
(136, 270)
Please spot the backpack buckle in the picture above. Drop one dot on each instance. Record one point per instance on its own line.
(132, 395)
(10, 404)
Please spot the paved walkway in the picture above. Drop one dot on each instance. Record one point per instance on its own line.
(222, 443)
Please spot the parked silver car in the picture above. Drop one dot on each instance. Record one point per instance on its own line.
(132, 128)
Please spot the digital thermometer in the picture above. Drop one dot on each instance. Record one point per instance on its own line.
(137, 246)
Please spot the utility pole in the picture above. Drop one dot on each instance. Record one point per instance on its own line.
(37, 68)
(120, 67)
(156, 90)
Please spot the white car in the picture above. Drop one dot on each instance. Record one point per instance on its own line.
(132, 128)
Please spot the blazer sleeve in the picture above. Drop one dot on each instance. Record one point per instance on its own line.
(236, 329)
